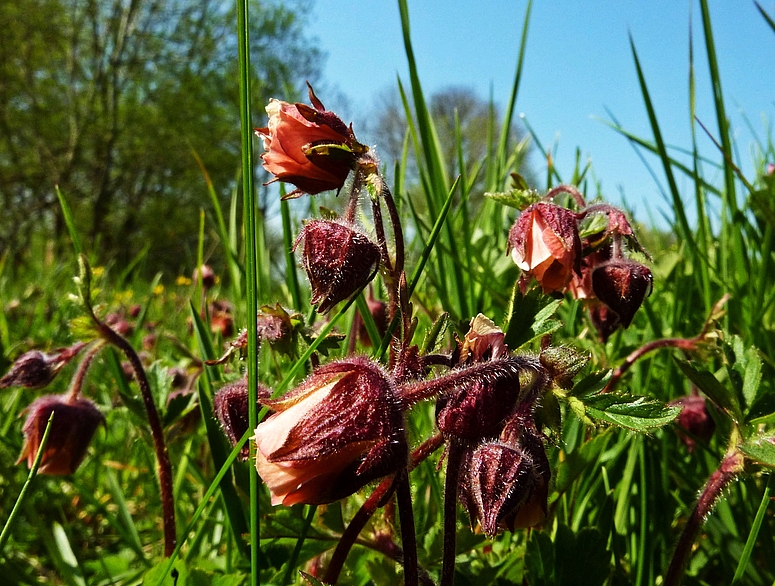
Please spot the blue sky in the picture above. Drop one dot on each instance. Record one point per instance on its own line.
(578, 63)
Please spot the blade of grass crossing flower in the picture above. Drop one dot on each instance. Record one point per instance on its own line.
(214, 435)
(292, 278)
(203, 504)
(6, 532)
(249, 216)
(69, 222)
(754, 533)
(464, 207)
(368, 320)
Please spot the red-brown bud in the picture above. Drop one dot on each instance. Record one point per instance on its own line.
(544, 242)
(475, 401)
(622, 285)
(310, 147)
(504, 484)
(35, 369)
(208, 276)
(74, 424)
(695, 419)
(230, 406)
(337, 431)
(339, 260)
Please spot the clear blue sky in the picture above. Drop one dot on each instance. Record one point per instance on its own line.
(578, 63)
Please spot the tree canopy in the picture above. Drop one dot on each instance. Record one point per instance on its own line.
(110, 101)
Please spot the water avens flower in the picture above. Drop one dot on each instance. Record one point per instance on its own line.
(74, 424)
(544, 242)
(334, 433)
(308, 146)
(339, 260)
(622, 285)
(36, 369)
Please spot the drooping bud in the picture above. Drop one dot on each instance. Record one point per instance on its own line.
(230, 406)
(694, 419)
(208, 276)
(35, 369)
(504, 484)
(475, 401)
(310, 147)
(339, 260)
(337, 431)
(74, 424)
(622, 285)
(544, 242)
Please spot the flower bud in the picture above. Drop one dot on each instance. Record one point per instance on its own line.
(74, 424)
(504, 484)
(695, 419)
(337, 431)
(309, 147)
(35, 369)
(622, 285)
(208, 276)
(230, 406)
(484, 341)
(339, 261)
(544, 242)
(475, 401)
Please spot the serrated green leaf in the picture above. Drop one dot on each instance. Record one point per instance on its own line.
(752, 375)
(761, 449)
(633, 412)
(310, 579)
(722, 396)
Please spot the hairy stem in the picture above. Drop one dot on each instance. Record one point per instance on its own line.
(570, 190)
(162, 456)
(375, 500)
(730, 467)
(80, 374)
(687, 345)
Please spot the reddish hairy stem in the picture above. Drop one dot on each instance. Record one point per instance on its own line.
(162, 456)
(408, 535)
(730, 467)
(570, 190)
(375, 500)
(687, 345)
(398, 233)
(80, 374)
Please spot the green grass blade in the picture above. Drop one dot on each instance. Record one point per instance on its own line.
(754, 533)
(6, 532)
(251, 258)
(292, 278)
(503, 142)
(69, 222)
(766, 16)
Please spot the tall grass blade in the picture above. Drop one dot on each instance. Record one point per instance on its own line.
(69, 222)
(6, 532)
(249, 215)
(754, 533)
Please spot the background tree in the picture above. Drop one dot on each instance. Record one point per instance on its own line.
(109, 100)
(478, 121)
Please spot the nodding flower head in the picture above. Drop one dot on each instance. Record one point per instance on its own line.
(74, 424)
(308, 146)
(622, 285)
(339, 260)
(337, 431)
(504, 484)
(35, 369)
(474, 402)
(544, 242)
